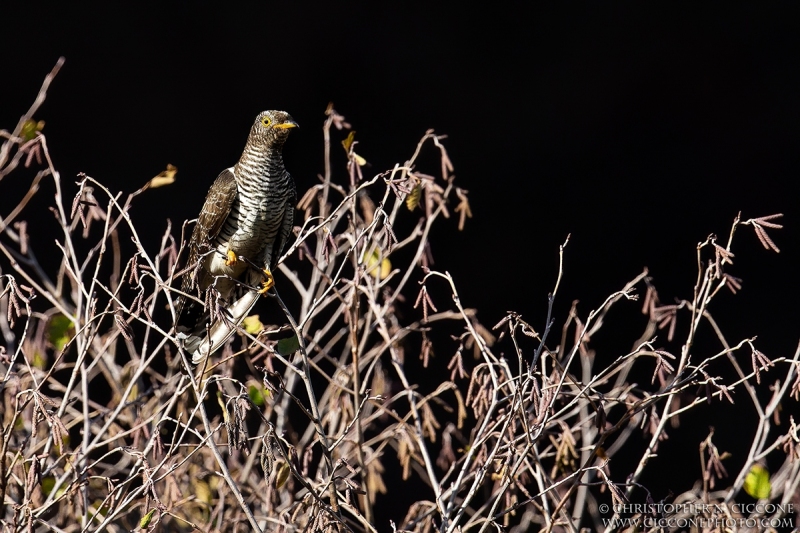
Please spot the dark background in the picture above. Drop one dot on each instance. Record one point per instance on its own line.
(639, 129)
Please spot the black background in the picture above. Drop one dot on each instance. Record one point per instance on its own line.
(638, 129)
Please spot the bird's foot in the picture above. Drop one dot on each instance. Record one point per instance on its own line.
(268, 282)
(231, 260)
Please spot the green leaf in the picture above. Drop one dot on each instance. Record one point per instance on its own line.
(380, 268)
(145, 521)
(202, 490)
(287, 347)
(413, 198)
(756, 482)
(252, 324)
(48, 482)
(59, 331)
(348, 142)
(38, 360)
(283, 475)
(256, 395)
(30, 128)
(224, 409)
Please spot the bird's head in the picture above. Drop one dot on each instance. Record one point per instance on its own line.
(272, 127)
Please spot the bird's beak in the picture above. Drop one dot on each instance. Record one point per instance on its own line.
(287, 125)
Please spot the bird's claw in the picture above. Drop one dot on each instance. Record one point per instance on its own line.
(231, 260)
(268, 282)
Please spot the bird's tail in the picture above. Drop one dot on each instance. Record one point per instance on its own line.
(201, 346)
(192, 317)
(203, 337)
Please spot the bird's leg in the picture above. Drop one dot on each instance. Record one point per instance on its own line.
(268, 282)
(231, 260)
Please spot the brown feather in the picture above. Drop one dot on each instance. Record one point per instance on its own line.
(215, 210)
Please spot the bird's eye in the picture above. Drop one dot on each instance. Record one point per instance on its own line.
(266, 121)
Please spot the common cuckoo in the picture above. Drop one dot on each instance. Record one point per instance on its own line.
(241, 231)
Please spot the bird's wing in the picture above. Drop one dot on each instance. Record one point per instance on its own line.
(216, 208)
(212, 217)
(286, 226)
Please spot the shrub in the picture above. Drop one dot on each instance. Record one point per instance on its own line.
(107, 426)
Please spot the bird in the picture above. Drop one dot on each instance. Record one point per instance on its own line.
(245, 223)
